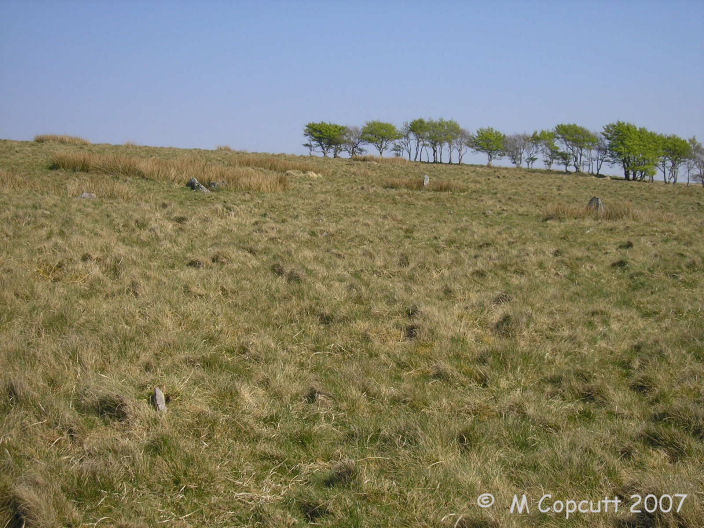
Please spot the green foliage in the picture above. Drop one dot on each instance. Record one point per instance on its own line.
(489, 141)
(439, 132)
(380, 134)
(325, 136)
(547, 146)
(637, 150)
(675, 151)
(576, 140)
(418, 129)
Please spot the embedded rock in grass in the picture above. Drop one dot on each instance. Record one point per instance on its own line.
(159, 400)
(196, 185)
(595, 204)
(195, 263)
(87, 195)
(426, 180)
(214, 185)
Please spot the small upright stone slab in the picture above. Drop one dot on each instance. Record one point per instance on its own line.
(595, 204)
(158, 400)
(426, 180)
(196, 185)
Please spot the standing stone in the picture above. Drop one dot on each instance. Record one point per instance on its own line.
(196, 185)
(158, 400)
(595, 204)
(426, 180)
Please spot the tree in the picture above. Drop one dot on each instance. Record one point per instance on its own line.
(352, 141)
(647, 150)
(548, 147)
(489, 141)
(600, 152)
(515, 146)
(324, 136)
(620, 137)
(405, 142)
(695, 161)
(418, 129)
(576, 140)
(532, 149)
(451, 131)
(675, 151)
(379, 134)
(462, 141)
(637, 150)
(565, 158)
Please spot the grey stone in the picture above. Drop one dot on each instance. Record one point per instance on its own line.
(196, 185)
(214, 185)
(158, 400)
(87, 196)
(426, 180)
(595, 204)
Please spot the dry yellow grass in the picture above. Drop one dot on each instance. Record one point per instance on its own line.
(343, 354)
(272, 163)
(380, 159)
(56, 138)
(104, 186)
(612, 211)
(178, 170)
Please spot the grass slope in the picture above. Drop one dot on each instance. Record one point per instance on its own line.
(351, 351)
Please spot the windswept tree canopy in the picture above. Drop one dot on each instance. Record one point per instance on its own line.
(325, 136)
(637, 150)
(576, 140)
(675, 151)
(489, 141)
(380, 134)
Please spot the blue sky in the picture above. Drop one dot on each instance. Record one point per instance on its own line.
(251, 74)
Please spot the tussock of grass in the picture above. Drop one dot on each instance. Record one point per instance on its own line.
(226, 148)
(55, 138)
(416, 184)
(177, 170)
(612, 211)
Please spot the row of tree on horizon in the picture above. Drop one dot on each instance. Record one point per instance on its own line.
(640, 152)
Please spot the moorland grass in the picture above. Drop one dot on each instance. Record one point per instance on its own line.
(343, 353)
(615, 211)
(57, 138)
(172, 170)
(417, 184)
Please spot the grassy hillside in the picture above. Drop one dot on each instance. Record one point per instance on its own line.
(344, 350)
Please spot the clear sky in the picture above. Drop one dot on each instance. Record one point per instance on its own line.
(251, 74)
